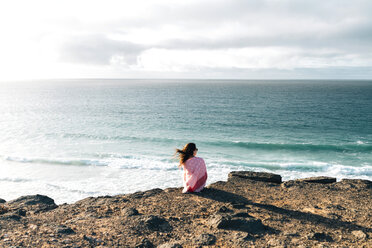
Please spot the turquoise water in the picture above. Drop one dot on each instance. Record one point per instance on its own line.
(92, 137)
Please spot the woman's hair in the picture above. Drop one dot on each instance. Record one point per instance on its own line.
(186, 152)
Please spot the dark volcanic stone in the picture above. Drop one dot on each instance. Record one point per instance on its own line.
(355, 183)
(156, 223)
(36, 203)
(93, 241)
(152, 192)
(145, 243)
(256, 176)
(320, 236)
(224, 209)
(236, 223)
(3, 209)
(20, 212)
(291, 183)
(32, 200)
(137, 195)
(242, 214)
(129, 211)
(64, 230)
(2, 200)
(321, 180)
(238, 205)
(205, 239)
(10, 217)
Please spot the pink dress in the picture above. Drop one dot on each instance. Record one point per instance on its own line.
(194, 175)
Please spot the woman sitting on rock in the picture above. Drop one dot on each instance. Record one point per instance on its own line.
(194, 169)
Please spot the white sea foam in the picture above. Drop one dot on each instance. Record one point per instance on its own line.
(126, 174)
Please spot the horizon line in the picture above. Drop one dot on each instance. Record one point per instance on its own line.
(186, 79)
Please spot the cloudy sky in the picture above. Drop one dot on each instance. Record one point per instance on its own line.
(253, 39)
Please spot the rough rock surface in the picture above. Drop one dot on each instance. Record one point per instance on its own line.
(256, 176)
(323, 180)
(249, 210)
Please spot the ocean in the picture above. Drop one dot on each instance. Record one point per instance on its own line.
(71, 139)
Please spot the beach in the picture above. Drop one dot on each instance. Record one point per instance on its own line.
(250, 209)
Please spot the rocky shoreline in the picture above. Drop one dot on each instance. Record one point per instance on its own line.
(251, 209)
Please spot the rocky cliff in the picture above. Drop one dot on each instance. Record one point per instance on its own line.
(249, 210)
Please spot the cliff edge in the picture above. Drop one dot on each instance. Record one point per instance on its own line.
(251, 209)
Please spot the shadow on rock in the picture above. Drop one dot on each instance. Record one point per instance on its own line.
(238, 200)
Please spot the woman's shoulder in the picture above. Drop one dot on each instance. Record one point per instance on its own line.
(198, 159)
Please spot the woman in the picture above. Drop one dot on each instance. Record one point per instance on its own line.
(194, 169)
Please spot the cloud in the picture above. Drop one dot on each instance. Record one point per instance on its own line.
(174, 36)
(98, 49)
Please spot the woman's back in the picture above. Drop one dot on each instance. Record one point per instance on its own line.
(195, 165)
(195, 174)
(194, 169)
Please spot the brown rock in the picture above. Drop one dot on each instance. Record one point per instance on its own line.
(238, 213)
(355, 183)
(64, 230)
(359, 234)
(320, 236)
(10, 216)
(144, 243)
(3, 209)
(236, 223)
(36, 203)
(156, 223)
(256, 176)
(205, 239)
(129, 211)
(321, 180)
(170, 245)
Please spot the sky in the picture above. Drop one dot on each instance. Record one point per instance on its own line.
(219, 39)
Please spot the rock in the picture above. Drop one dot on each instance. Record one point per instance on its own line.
(291, 183)
(33, 227)
(239, 224)
(145, 243)
(20, 212)
(256, 176)
(359, 234)
(224, 209)
(225, 213)
(170, 245)
(320, 236)
(129, 211)
(156, 223)
(32, 200)
(290, 233)
(321, 180)
(36, 203)
(2, 200)
(3, 209)
(93, 241)
(137, 195)
(355, 183)
(10, 216)
(205, 239)
(238, 205)
(241, 214)
(152, 192)
(273, 242)
(64, 230)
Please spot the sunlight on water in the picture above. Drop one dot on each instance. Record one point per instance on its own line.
(73, 139)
